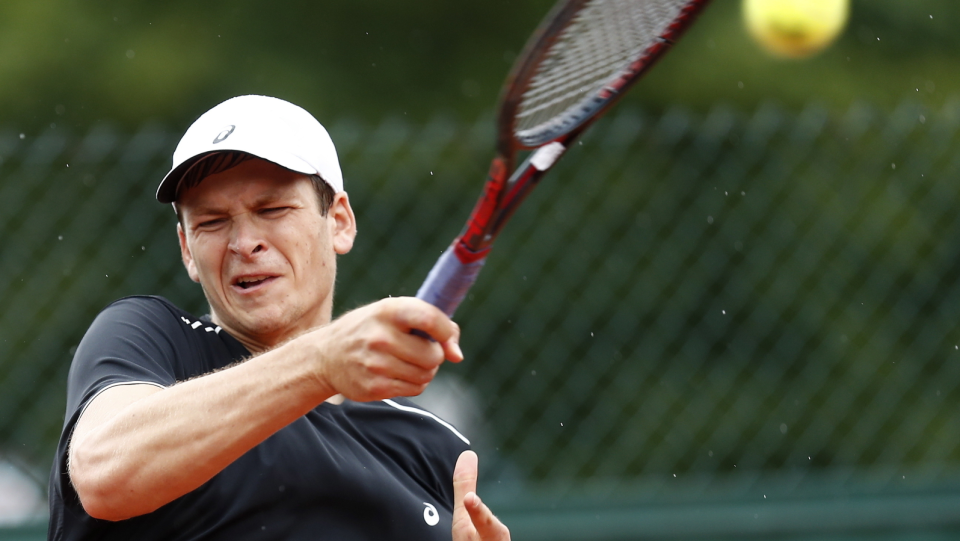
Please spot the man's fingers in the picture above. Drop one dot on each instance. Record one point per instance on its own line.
(427, 323)
(464, 478)
(489, 527)
(472, 519)
(382, 356)
(451, 346)
(398, 369)
(410, 313)
(452, 351)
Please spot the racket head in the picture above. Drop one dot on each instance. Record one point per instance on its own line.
(545, 105)
(582, 58)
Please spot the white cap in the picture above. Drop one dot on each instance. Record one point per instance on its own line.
(268, 128)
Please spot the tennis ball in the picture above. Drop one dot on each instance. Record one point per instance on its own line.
(795, 28)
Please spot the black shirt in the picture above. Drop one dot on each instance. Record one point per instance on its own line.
(377, 470)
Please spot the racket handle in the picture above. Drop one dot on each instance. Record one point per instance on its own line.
(449, 281)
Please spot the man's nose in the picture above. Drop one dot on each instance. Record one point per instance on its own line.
(246, 238)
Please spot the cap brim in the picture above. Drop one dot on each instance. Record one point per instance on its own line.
(167, 191)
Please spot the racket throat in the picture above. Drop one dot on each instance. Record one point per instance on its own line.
(523, 180)
(475, 236)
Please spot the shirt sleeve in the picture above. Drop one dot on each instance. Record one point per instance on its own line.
(134, 340)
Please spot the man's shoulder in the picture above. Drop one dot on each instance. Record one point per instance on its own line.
(140, 312)
(153, 314)
(144, 304)
(150, 310)
(148, 339)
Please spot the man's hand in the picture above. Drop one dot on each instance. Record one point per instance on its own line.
(369, 353)
(472, 519)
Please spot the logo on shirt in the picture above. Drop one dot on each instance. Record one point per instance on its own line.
(198, 324)
(430, 515)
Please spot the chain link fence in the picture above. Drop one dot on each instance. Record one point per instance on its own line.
(692, 312)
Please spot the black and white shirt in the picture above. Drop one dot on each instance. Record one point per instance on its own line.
(379, 470)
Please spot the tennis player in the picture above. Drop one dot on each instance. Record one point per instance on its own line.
(265, 419)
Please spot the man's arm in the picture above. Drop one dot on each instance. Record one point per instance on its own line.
(138, 447)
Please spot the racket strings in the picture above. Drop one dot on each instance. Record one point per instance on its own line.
(574, 71)
(605, 35)
(601, 42)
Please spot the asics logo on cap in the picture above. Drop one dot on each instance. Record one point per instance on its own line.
(224, 134)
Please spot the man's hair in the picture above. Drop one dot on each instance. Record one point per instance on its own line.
(324, 191)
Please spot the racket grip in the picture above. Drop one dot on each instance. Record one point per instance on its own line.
(449, 281)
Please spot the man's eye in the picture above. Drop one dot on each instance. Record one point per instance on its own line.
(208, 224)
(274, 210)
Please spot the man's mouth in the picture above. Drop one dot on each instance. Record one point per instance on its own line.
(247, 282)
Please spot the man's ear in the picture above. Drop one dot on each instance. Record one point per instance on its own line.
(344, 223)
(187, 256)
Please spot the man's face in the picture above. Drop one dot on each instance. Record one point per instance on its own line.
(254, 238)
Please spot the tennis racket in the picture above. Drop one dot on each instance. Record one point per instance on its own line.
(583, 57)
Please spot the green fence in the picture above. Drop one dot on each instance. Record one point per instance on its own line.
(723, 326)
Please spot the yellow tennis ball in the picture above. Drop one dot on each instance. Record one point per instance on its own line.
(795, 28)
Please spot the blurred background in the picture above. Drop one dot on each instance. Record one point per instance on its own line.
(730, 313)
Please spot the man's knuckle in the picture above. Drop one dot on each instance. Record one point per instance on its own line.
(378, 340)
(419, 320)
(377, 387)
(423, 377)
